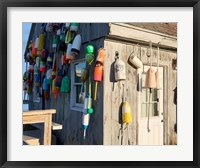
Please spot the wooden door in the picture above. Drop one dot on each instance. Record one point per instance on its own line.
(155, 136)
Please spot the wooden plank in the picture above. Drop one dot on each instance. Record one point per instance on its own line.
(112, 97)
(142, 35)
(47, 129)
(33, 119)
(56, 126)
(107, 97)
(39, 112)
(32, 137)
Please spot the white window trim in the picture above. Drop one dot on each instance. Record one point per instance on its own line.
(73, 105)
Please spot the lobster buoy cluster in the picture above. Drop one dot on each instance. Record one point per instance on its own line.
(47, 69)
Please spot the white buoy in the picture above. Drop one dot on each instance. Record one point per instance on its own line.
(67, 25)
(76, 45)
(136, 62)
(58, 32)
(36, 42)
(74, 27)
(120, 70)
(85, 123)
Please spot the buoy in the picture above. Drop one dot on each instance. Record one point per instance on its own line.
(85, 123)
(135, 61)
(119, 69)
(48, 76)
(55, 41)
(150, 79)
(67, 25)
(41, 42)
(89, 54)
(34, 50)
(98, 74)
(36, 43)
(37, 62)
(76, 45)
(44, 55)
(36, 69)
(45, 85)
(101, 55)
(69, 47)
(69, 37)
(58, 78)
(42, 66)
(74, 27)
(65, 84)
(150, 75)
(49, 27)
(68, 52)
(55, 89)
(37, 80)
(88, 104)
(126, 110)
(62, 36)
(54, 67)
(49, 60)
(65, 59)
(30, 68)
(126, 114)
(58, 32)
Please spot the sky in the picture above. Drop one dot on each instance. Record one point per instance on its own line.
(26, 27)
(25, 34)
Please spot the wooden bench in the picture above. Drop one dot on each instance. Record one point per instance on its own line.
(40, 116)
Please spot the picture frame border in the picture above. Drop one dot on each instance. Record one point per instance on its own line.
(4, 4)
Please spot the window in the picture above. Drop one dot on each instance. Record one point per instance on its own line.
(77, 87)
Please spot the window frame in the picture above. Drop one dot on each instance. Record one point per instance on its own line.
(73, 104)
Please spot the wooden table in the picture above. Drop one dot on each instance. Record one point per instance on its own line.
(40, 116)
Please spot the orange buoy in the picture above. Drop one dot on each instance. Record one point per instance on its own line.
(150, 79)
(98, 74)
(101, 55)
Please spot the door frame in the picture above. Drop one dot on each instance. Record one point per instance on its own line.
(165, 103)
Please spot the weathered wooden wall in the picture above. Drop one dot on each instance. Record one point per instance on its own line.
(113, 97)
(72, 132)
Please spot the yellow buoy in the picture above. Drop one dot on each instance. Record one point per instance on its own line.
(41, 43)
(126, 113)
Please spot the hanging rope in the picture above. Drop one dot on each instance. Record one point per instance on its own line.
(148, 129)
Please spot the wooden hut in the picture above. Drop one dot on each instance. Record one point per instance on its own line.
(105, 127)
